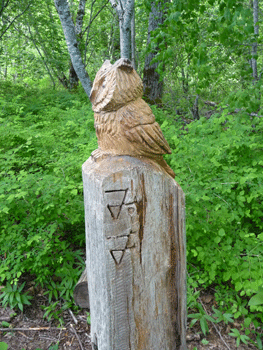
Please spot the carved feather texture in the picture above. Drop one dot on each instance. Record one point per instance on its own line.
(124, 123)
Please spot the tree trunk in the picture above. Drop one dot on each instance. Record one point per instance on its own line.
(133, 60)
(136, 255)
(79, 18)
(184, 81)
(125, 11)
(73, 77)
(195, 109)
(72, 44)
(255, 44)
(152, 86)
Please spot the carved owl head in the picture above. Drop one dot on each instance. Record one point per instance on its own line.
(115, 85)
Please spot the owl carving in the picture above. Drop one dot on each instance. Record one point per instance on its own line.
(124, 123)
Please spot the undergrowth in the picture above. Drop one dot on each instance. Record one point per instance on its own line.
(219, 162)
(47, 135)
(45, 138)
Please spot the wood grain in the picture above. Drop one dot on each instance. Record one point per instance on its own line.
(136, 266)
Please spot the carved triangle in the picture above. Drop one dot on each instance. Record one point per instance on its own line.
(114, 210)
(117, 255)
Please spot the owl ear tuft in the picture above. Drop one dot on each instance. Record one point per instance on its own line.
(124, 64)
(106, 64)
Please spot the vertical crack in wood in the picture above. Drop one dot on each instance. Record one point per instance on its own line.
(173, 275)
(181, 272)
(141, 210)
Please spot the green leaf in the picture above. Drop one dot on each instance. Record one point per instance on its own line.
(204, 325)
(256, 300)
(18, 297)
(3, 346)
(5, 324)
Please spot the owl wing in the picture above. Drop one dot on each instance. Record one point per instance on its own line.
(149, 139)
(140, 128)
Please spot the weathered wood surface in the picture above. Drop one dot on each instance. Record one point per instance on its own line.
(81, 293)
(136, 255)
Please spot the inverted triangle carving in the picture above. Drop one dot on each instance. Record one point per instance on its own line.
(117, 255)
(114, 210)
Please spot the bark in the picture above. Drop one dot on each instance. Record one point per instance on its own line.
(72, 44)
(80, 16)
(195, 109)
(152, 86)
(255, 44)
(73, 77)
(184, 81)
(125, 11)
(133, 41)
(81, 292)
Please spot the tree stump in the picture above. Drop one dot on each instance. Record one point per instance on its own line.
(81, 292)
(136, 258)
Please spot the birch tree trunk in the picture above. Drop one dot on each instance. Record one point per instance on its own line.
(152, 86)
(255, 44)
(73, 77)
(125, 11)
(72, 44)
(133, 59)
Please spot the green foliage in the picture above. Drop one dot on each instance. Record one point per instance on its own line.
(224, 216)
(220, 316)
(45, 137)
(239, 337)
(218, 162)
(202, 317)
(13, 297)
(88, 318)
(257, 299)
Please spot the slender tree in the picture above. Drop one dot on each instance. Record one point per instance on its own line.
(255, 45)
(125, 11)
(73, 77)
(72, 44)
(152, 85)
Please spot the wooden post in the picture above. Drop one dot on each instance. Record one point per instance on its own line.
(136, 258)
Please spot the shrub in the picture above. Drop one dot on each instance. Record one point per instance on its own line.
(45, 138)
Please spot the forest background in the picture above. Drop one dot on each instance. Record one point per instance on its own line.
(201, 64)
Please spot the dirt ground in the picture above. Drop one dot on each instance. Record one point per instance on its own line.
(31, 332)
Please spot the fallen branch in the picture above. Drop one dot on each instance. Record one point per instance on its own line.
(73, 317)
(80, 344)
(25, 335)
(31, 329)
(237, 110)
(218, 332)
